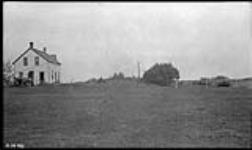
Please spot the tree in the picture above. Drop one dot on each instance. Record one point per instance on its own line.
(101, 80)
(120, 75)
(161, 74)
(8, 73)
(114, 76)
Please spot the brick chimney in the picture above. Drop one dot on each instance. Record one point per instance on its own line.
(44, 49)
(31, 45)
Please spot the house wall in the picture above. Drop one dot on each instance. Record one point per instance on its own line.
(44, 66)
(54, 73)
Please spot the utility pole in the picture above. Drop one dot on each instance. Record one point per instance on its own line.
(138, 68)
(138, 71)
(206, 83)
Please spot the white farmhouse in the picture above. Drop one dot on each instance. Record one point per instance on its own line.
(37, 65)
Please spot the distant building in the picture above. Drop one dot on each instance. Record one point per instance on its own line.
(220, 80)
(215, 81)
(37, 65)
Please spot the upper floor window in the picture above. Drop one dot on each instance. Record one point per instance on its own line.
(36, 60)
(25, 61)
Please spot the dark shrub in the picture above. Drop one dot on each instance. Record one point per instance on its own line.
(101, 80)
(23, 82)
(224, 84)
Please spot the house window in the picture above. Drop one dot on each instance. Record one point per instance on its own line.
(25, 61)
(36, 60)
(20, 74)
(58, 76)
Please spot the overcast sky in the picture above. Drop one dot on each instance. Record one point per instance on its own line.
(98, 39)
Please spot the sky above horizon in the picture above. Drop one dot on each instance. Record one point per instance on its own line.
(98, 39)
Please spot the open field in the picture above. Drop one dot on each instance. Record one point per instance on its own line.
(120, 114)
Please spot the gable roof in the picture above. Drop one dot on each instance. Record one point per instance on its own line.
(49, 58)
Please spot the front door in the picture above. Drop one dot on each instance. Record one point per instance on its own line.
(31, 76)
(41, 78)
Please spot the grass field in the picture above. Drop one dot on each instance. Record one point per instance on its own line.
(120, 114)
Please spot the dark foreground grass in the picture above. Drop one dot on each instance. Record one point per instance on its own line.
(120, 114)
